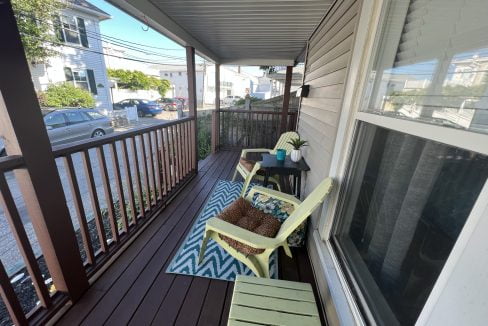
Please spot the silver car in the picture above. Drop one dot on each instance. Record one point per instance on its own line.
(68, 125)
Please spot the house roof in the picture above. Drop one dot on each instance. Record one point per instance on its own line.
(239, 32)
(82, 4)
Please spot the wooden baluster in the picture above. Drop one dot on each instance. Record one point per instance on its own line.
(94, 200)
(108, 193)
(10, 299)
(183, 147)
(152, 173)
(80, 210)
(171, 158)
(176, 163)
(187, 145)
(162, 154)
(180, 150)
(128, 180)
(17, 228)
(119, 187)
(194, 162)
(135, 160)
(156, 164)
(145, 169)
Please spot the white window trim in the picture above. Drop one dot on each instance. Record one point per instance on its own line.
(371, 13)
(76, 69)
(77, 28)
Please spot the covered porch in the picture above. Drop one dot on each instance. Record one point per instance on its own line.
(136, 290)
(139, 191)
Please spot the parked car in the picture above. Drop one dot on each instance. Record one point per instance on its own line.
(230, 100)
(144, 107)
(170, 104)
(68, 125)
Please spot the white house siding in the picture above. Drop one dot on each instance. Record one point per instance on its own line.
(77, 58)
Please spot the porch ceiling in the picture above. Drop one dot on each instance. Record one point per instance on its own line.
(244, 32)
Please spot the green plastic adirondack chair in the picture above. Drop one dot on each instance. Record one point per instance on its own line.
(259, 264)
(282, 143)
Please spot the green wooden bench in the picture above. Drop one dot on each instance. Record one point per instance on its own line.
(258, 301)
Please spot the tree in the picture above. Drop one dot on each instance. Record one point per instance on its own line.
(34, 20)
(268, 69)
(136, 80)
(66, 95)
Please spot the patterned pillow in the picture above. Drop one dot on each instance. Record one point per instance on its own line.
(281, 210)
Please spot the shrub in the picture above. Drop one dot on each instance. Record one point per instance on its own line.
(242, 101)
(66, 95)
(204, 125)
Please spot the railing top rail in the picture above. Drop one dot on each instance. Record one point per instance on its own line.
(62, 150)
(12, 162)
(256, 111)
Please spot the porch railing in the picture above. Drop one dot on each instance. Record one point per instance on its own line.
(113, 185)
(251, 128)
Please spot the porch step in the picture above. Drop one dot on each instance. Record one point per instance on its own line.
(258, 301)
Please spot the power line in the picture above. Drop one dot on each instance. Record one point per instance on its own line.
(117, 41)
(106, 54)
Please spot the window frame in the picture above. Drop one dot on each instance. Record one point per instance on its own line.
(366, 43)
(63, 28)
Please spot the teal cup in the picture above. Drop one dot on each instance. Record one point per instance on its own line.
(280, 154)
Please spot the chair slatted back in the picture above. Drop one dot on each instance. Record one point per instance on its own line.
(300, 214)
(283, 142)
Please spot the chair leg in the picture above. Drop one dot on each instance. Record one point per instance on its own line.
(263, 261)
(287, 250)
(204, 246)
(235, 175)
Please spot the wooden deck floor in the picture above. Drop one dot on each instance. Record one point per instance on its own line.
(135, 290)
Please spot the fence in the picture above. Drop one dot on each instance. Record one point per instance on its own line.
(251, 129)
(113, 185)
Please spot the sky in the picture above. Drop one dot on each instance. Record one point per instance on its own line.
(127, 28)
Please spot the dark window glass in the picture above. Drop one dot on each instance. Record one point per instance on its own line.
(54, 120)
(407, 200)
(95, 115)
(76, 117)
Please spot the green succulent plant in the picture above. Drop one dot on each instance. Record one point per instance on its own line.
(297, 143)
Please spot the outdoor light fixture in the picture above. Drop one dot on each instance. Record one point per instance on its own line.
(303, 91)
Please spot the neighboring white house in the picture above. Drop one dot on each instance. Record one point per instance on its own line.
(80, 60)
(233, 81)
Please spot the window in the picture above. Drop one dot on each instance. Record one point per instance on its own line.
(71, 29)
(76, 117)
(427, 75)
(82, 78)
(419, 158)
(54, 120)
(94, 115)
(409, 199)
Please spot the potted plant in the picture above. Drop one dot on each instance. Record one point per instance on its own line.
(297, 143)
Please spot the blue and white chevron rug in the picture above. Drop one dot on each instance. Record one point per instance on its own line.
(217, 263)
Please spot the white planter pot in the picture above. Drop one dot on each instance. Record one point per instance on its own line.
(296, 155)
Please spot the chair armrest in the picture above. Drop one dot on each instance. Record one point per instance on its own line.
(242, 235)
(255, 150)
(274, 194)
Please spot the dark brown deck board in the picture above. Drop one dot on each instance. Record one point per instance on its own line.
(136, 290)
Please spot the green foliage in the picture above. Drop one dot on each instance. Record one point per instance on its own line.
(136, 80)
(204, 125)
(242, 101)
(268, 69)
(297, 143)
(66, 95)
(34, 20)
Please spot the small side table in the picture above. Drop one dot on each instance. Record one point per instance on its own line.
(271, 166)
